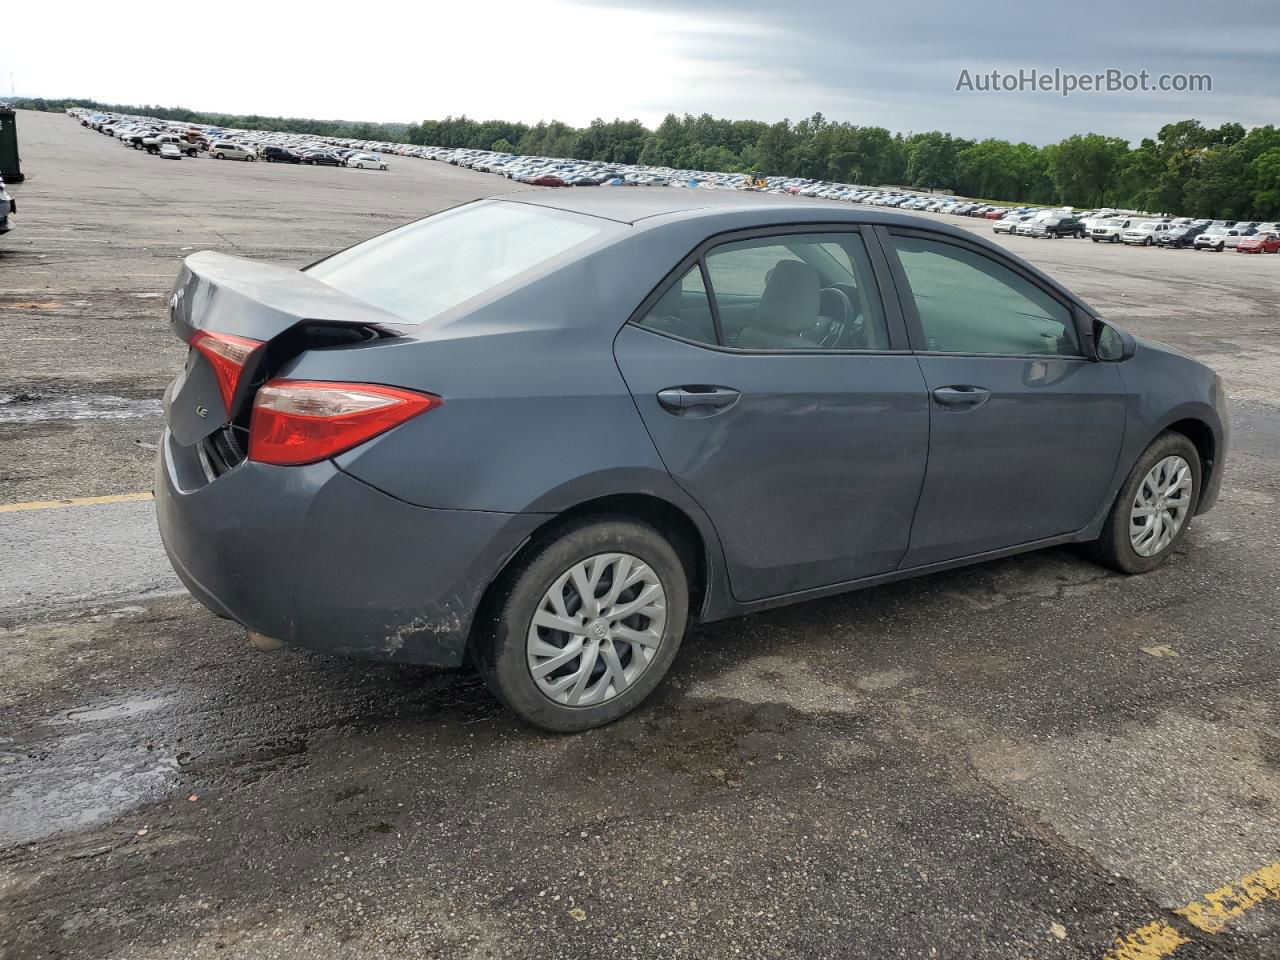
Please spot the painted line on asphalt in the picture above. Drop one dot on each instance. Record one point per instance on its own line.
(1211, 913)
(73, 502)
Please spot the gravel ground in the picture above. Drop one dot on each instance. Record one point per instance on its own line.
(1028, 758)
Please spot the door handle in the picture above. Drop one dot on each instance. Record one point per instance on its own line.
(962, 396)
(697, 400)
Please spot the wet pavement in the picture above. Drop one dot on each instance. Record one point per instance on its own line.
(1029, 758)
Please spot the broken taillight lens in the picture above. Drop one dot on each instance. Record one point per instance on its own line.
(227, 355)
(303, 421)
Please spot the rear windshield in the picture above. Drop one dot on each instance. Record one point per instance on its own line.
(423, 269)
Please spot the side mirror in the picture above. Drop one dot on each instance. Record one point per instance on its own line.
(1111, 345)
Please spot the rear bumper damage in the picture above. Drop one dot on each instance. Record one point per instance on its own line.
(317, 558)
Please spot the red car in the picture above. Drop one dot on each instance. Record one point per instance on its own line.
(996, 214)
(1260, 243)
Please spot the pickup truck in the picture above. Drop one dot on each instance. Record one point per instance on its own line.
(152, 144)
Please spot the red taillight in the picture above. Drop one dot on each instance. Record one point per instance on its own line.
(302, 421)
(227, 355)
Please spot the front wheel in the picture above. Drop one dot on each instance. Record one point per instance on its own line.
(1153, 510)
(584, 628)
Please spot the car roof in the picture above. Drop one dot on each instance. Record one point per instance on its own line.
(632, 204)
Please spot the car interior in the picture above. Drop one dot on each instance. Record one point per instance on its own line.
(793, 293)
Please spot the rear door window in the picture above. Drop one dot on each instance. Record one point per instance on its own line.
(684, 311)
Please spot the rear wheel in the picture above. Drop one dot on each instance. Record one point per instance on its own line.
(586, 626)
(1153, 510)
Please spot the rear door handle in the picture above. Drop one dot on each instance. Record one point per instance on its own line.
(962, 396)
(697, 400)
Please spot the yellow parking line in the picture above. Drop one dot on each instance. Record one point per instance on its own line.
(1226, 903)
(1155, 941)
(72, 502)
(1158, 940)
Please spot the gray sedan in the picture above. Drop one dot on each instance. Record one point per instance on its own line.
(542, 434)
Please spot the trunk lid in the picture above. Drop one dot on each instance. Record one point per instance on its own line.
(284, 308)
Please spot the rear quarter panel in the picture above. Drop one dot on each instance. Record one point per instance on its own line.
(536, 416)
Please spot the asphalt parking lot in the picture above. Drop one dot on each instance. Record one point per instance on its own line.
(1030, 758)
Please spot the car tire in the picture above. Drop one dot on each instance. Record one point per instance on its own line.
(218, 156)
(507, 640)
(1115, 546)
(1115, 239)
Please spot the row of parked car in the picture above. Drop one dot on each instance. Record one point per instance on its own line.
(1114, 226)
(175, 141)
(1104, 225)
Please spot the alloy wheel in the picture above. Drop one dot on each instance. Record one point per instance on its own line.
(1160, 507)
(596, 630)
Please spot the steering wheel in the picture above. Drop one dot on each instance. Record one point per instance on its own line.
(830, 330)
(856, 328)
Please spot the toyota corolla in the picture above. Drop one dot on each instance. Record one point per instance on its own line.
(542, 434)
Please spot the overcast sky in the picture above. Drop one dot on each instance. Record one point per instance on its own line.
(890, 64)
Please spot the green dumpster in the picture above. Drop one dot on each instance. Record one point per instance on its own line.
(10, 169)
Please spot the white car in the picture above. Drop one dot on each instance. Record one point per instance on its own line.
(1109, 229)
(1009, 224)
(7, 209)
(1034, 224)
(362, 160)
(1145, 233)
(226, 150)
(170, 151)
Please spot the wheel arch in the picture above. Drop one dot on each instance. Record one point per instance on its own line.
(1203, 438)
(697, 547)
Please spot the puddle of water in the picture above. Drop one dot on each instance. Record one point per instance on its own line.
(59, 796)
(93, 768)
(118, 710)
(36, 408)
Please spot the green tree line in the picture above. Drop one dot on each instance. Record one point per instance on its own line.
(1188, 168)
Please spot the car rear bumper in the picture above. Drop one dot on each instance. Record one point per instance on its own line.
(314, 557)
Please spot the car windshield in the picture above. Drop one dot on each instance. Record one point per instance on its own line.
(423, 269)
(1149, 225)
